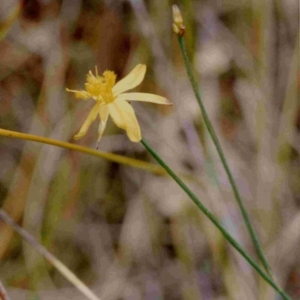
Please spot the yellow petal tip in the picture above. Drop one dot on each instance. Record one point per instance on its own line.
(142, 68)
(168, 102)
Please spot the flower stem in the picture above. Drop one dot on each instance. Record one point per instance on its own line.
(217, 144)
(215, 221)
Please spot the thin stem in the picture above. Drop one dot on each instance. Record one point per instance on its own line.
(215, 221)
(109, 156)
(217, 144)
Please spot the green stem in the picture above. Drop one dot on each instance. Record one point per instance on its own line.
(215, 221)
(223, 158)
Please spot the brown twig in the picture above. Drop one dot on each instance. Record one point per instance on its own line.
(48, 256)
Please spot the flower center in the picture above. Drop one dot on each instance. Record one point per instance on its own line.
(100, 87)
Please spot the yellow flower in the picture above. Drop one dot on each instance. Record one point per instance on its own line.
(111, 100)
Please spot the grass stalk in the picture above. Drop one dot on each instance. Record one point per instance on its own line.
(56, 263)
(105, 155)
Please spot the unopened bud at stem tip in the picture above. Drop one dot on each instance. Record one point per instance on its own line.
(177, 26)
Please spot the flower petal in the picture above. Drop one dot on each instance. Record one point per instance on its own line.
(133, 79)
(80, 94)
(103, 114)
(144, 97)
(124, 117)
(90, 118)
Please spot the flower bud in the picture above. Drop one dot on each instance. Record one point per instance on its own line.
(177, 26)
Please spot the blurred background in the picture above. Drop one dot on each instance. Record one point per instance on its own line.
(129, 233)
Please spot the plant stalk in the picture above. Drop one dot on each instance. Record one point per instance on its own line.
(222, 156)
(215, 221)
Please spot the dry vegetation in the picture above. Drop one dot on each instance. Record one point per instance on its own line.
(128, 233)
